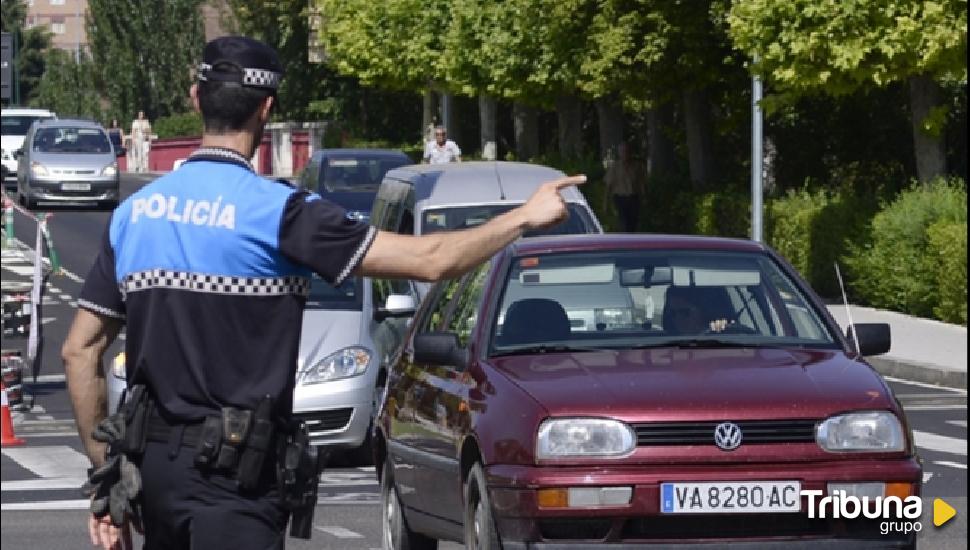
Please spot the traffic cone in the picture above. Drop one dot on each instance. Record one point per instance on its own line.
(6, 422)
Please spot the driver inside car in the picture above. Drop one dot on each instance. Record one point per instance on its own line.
(691, 310)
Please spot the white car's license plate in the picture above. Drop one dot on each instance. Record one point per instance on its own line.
(75, 187)
(730, 497)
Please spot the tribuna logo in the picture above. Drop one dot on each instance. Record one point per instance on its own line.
(841, 505)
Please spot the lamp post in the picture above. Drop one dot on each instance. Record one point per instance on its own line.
(757, 156)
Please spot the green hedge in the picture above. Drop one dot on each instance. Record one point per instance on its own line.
(181, 125)
(814, 229)
(897, 268)
(948, 250)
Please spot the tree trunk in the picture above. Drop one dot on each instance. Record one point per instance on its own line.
(609, 115)
(570, 112)
(428, 118)
(660, 148)
(700, 149)
(447, 115)
(486, 114)
(924, 95)
(525, 120)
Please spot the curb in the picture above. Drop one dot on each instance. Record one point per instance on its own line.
(919, 372)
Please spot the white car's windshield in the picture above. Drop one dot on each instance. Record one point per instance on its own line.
(17, 125)
(641, 299)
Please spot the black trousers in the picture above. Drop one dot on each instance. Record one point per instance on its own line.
(184, 508)
(628, 212)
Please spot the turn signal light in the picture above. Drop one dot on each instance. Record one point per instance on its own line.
(901, 490)
(553, 498)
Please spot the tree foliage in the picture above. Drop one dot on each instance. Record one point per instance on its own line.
(145, 52)
(67, 87)
(31, 44)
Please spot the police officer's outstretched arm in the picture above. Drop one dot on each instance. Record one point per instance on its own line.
(449, 254)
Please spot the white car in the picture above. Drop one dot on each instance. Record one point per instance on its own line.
(15, 124)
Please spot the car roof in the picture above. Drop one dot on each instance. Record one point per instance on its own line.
(478, 182)
(646, 241)
(68, 122)
(22, 111)
(362, 152)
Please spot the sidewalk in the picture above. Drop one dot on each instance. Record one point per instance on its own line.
(922, 349)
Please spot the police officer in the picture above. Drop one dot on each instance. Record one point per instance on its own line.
(209, 268)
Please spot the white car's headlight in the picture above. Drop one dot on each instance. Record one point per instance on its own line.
(340, 364)
(584, 437)
(110, 169)
(861, 431)
(38, 169)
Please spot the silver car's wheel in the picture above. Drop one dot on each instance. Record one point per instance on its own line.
(396, 535)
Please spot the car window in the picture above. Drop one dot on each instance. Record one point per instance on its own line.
(18, 125)
(355, 173)
(323, 295)
(464, 217)
(464, 311)
(644, 298)
(440, 300)
(71, 140)
(310, 174)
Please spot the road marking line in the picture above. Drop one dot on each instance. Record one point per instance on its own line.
(961, 423)
(927, 476)
(65, 297)
(45, 378)
(23, 271)
(924, 385)
(54, 484)
(940, 443)
(82, 504)
(44, 417)
(934, 407)
(339, 532)
(950, 464)
(54, 461)
(49, 434)
(54, 289)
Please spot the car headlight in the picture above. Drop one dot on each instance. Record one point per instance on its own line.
(38, 169)
(340, 364)
(584, 437)
(862, 431)
(110, 169)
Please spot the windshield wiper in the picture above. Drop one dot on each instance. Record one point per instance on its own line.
(541, 348)
(695, 343)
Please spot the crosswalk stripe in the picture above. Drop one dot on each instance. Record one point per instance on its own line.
(339, 532)
(22, 270)
(940, 443)
(950, 464)
(80, 504)
(961, 423)
(55, 484)
(51, 461)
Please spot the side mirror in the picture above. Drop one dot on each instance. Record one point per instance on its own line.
(869, 338)
(397, 306)
(121, 151)
(439, 348)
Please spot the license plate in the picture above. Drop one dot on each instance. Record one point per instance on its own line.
(75, 186)
(730, 497)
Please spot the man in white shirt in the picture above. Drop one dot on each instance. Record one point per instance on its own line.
(442, 150)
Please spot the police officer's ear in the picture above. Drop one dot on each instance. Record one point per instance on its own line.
(194, 95)
(266, 108)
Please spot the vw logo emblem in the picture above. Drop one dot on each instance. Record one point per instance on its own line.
(727, 436)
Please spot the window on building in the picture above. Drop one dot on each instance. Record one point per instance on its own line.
(58, 28)
(57, 2)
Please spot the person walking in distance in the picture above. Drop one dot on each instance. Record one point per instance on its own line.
(623, 182)
(441, 150)
(141, 139)
(209, 267)
(116, 134)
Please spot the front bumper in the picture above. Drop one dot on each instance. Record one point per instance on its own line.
(50, 190)
(522, 523)
(337, 413)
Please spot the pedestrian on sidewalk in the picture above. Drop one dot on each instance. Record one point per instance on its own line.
(441, 150)
(209, 267)
(116, 134)
(624, 183)
(141, 142)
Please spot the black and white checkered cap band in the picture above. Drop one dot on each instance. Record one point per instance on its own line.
(260, 78)
(215, 284)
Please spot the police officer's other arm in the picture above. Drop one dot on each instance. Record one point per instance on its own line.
(449, 254)
(86, 342)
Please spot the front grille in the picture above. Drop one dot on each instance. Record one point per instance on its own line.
(702, 433)
(574, 528)
(325, 421)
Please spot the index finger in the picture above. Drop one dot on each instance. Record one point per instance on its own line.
(563, 183)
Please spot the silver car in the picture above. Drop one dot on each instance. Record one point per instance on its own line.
(68, 161)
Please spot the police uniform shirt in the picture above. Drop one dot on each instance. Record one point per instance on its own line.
(210, 267)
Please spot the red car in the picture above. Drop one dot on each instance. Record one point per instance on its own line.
(629, 390)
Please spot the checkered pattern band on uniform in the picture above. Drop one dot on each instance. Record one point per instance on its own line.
(91, 306)
(215, 284)
(357, 257)
(261, 78)
(220, 152)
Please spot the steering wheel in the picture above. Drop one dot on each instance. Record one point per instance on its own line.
(732, 327)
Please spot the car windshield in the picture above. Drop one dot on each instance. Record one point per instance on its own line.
(464, 217)
(643, 299)
(71, 140)
(323, 295)
(356, 174)
(17, 125)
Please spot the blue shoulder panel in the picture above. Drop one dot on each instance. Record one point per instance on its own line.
(206, 217)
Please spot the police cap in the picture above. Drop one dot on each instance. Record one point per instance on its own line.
(242, 60)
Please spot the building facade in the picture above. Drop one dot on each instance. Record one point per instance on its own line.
(64, 18)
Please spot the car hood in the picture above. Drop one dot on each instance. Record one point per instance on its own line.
(326, 331)
(711, 384)
(74, 161)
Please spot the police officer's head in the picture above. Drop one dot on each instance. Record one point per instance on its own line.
(238, 79)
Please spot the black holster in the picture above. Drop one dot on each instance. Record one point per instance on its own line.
(136, 410)
(298, 470)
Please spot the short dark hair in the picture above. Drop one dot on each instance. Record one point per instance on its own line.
(227, 106)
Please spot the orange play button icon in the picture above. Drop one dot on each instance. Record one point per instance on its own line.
(942, 512)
